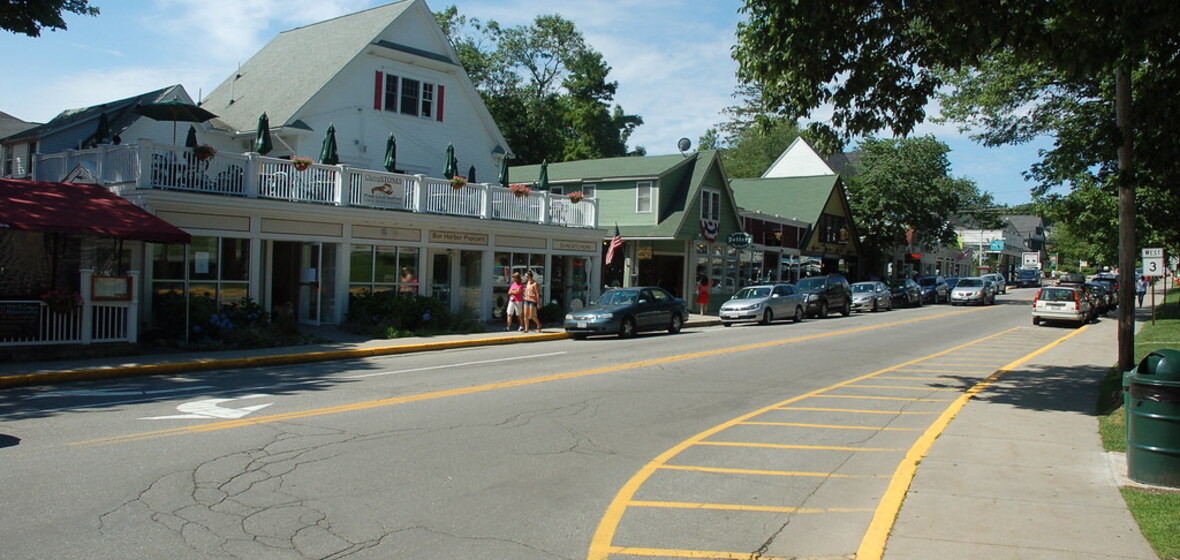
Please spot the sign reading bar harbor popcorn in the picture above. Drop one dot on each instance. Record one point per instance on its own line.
(383, 191)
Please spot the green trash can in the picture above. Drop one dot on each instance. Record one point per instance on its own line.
(1152, 404)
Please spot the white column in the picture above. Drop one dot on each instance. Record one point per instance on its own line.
(133, 308)
(87, 310)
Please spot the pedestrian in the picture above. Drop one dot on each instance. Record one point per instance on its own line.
(409, 284)
(702, 294)
(1141, 289)
(532, 300)
(515, 307)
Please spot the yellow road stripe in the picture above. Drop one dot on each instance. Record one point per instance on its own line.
(674, 553)
(903, 387)
(876, 398)
(970, 371)
(872, 546)
(258, 420)
(602, 544)
(724, 470)
(742, 507)
(792, 446)
(851, 410)
(829, 426)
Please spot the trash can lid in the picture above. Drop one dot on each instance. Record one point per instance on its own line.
(1161, 365)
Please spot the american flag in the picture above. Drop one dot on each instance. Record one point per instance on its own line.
(615, 243)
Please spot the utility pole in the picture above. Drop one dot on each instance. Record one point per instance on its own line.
(1126, 183)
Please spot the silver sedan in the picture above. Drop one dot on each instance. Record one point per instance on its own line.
(871, 296)
(763, 303)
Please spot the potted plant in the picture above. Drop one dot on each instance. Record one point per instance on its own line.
(458, 182)
(62, 301)
(575, 197)
(204, 152)
(301, 163)
(520, 190)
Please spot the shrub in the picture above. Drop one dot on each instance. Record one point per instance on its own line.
(390, 314)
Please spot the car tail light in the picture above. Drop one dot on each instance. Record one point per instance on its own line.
(1037, 297)
(1077, 298)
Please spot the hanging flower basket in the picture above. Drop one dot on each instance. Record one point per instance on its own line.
(520, 190)
(62, 301)
(458, 182)
(204, 152)
(301, 163)
(575, 197)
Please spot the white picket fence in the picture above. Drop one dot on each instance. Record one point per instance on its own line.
(34, 323)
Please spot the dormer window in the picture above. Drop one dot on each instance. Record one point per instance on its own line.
(408, 96)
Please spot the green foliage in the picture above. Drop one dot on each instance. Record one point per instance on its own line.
(544, 86)
(29, 18)
(390, 314)
(752, 139)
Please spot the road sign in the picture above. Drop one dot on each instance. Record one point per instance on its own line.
(1153, 261)
(1031, 259)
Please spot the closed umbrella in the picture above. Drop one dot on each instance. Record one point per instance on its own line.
(391, 154)
(174, 110)
(190, 141)
(328, 155)
(504, 171)
(543, 180)
(471, 174)
(449, 171)
(262, 143)
(102, 134)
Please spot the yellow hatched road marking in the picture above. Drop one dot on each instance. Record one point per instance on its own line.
(725, 470)
(829, 426)
(904, 387)
(877, 398)
(741, 507)
(912, 377)
(793, 446)
(851, 410)
(973, 372)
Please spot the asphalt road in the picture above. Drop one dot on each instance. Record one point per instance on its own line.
(777, 440)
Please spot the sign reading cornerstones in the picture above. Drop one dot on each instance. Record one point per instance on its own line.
(740, 240)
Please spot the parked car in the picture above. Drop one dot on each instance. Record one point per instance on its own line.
(825, 293)
(763, 303)
(1061, 303)
(626, 311)
(1028, 278)
(950, 283)
(1070, 278)
(1103, 297)
(973, 289)
(871, 296)
(1112, 284)
(998, 281)
(906, 293)
(934, 289)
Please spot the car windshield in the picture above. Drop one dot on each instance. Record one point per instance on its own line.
(862, 288)
(618, 297)
(812, 283)
(928, 282)
(970, 283)
(1029, 273)
(753, 292)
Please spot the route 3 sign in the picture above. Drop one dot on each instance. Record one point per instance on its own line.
(1153, 261)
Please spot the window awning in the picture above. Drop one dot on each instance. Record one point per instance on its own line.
(80, 208)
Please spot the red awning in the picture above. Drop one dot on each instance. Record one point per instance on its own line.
(80, 208)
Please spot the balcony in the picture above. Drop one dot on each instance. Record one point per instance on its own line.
(151, 166)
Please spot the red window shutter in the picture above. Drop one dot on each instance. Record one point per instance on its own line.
(441, 90)
(378, 90)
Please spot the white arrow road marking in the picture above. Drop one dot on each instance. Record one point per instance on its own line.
(208, 408)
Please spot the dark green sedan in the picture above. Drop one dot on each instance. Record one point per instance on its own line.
(627, 311)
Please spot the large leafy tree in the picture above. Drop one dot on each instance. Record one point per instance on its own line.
(546, 88)
(752, 138)
(878, 64)
(29, 17)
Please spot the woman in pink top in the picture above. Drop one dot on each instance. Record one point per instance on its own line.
(532, 300)
(515, 302)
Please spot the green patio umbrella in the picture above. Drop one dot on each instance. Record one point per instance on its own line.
(451, 168)
(262, 143)
(190, 141)
(471, 174)
(173, 110)
(504, 171)
(328, 155)
(102, 134)
(391, 154)
(543, 180)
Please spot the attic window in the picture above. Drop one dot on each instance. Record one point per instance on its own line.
(710, 205)
(408, 96)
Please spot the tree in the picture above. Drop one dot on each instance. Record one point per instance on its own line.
(545, 87)
(29, 17)
(879, 64)
(905, 184)
(752, 139)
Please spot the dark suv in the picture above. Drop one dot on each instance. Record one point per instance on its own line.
(825, 293)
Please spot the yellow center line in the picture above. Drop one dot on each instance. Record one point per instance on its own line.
(851, 410)
(912, 377)
(696, 554)
(969, 371)
(829, 426)
(794, 446)
(763, 472)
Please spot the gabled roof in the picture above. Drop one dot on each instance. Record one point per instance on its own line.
(120, 114)
(797, 198)
(282, 77)
(10, 125)
(590, 170)
(1026, 224)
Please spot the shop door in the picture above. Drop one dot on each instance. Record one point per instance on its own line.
(441, 277)
(310, 275)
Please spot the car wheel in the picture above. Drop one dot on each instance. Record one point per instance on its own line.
(1036, 321)
(676, 324)
(798, 314)
(726, 324)
(847, 308)
(579, 336)
(823, 309)
(627, 328)
(874, 306)
(767, 317)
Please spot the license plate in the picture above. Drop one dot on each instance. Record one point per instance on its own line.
(581, 324)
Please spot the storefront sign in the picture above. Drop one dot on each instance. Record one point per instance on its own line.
(581, 246)
(19, 319)
(383, 191)
(740, 240)
(459, 237)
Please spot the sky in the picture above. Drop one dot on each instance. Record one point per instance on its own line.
(671, 60)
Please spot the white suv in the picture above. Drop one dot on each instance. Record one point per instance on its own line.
(1061, 303)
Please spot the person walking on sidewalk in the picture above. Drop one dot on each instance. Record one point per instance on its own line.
(515, 307)
(532, 301)
(1141, 289)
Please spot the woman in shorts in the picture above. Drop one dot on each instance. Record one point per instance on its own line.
(532, 300)
(515, 307)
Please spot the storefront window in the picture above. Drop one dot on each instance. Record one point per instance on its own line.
(380, 268)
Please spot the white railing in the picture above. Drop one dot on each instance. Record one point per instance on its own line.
(34, 323)
(153, 166)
